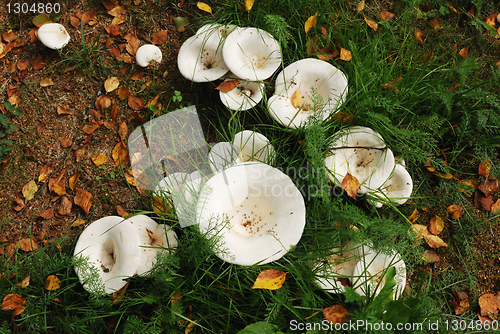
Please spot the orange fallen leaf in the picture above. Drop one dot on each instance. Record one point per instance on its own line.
(28, 245)
(372, 24)
(135, 102)
(46, 82)
(296, 98)
(430, 256)
(227, 85)
(269, 279)
(72, 180)
(434, 23)
(89, 17)
(436, 225)
(123, 93)
(455, 211)
(453, 9)
(310, 23)
(120, 154)
(496, 206)
(133, 43)
(463, 52)
(121, 212)
(392, 84)
(160, 37)
(64, 111)
(103, 102)
(461, 302)
(420, 230)
(99, 159)
(249, 4)
(326, 53)
(45, 173)
(83, 199)
(488, 305)
(204, 7)
(491, 20)
(488, 187)
(119, 295)
(113, 30)
(419, 35)
(428, 56)
(345, 54)
(414, 216)
(91, 127)
(29, 190)
(361, 6)
(484, 168)
(52, 282)
(483, 202)
(351, 185)
(13, 302)
(47, 214)
(336, 314)
(385, 15)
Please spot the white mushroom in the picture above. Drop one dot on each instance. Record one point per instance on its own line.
(251, 53)
(148, 53)
(254, 211)
(200, 56)
(222, 156)
(53, 35)
(244, 96)
(222, 30)
(306, 87)
(361, 152)
(253, 146)
(397, 188)
(370, 273)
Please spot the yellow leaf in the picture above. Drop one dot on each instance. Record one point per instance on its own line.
(78, 222)
(484, 168)
(372, 24)
(444, 176)
(204, 7)
(59, 188)
(99, 159)
(419, 35)
(351, 185)
(120, 154)
(52, 283)
(456, 211)
(29, 190)
(270, 279)
(495, 207)
(361, 5)
(46, 82)
(420, 230)
(414, 216)
(44, 173)
(111, 84)
(434, 241)
(24, 283)
(310, 23)
(72, 180)
(249, 4)
(345, 54)
(296, 98)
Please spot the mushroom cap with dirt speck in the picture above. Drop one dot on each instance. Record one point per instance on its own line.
(53, 35)
(251, 53)
(244, 96)
(148, 53)
(397, 188)
(253, 146)
(361, 152)
(254, 211)
(323, 88)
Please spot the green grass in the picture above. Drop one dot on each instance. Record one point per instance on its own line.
(418, 119)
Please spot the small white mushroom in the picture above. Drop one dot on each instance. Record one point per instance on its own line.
(244, 96)
(253, 146)
(53, 35)
(251, 53)
(148, 53)
(397, 188)
(254, 211)
(306, 87)
(361, 152)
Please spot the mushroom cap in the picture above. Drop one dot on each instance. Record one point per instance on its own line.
(370, 272)
(397, 188)
(254, 211)
(148, 53)
(319, 82)
(352, 153)
(222, 155)
(251, 53)
(200, 57)
(244, 96)
(112, 248)
(154, 238)
(222, 30)
(253, 146)
(53, 35)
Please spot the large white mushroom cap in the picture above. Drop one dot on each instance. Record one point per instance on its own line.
(244, 96)
(148, 53)
(254, 211)
(253, 146)
(370, 273)
(397, 188)
(53, 35)
(321, 88)
(200, 56)
(222, 155)
(251, 53)
(361, 152)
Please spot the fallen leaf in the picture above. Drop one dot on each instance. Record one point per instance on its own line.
(120, 154)
(296, 98)
(436, 225)
(29, 190)
(40, 19)
(446, 176)
(310, 23)
(133, 43)
(91, 127)
(123, 132)
(20, 204)
(490, 19)
(361, 6)
(311, 45)
(326, 53)
(428, 56)
(103, 102)
(9, 36)
(419, 35)
(72, 180)
(99, 159)
(45, 173)
(461, 302)
(65, 206)
(28, 245)
(65, 142)
(453, 9)
(204, 7)
(414, 216)
(117, 11)
(160, 37)
(38, 63)
(89, 17)
(488, 187)
(227, 85)
(496, 206)
(324, 33)
(123, 93)
(392, 84)
(434, 241)
(488, 305)
(52, 282)
(336, 314)
(47, 214)
(135, 102)
(345, 54)
(484, 168)
(24, 283)
(83, 199)
(78, 222)
(385, 15)
(63, 111)
(46, 82)
(420, 230)
(372, 24)
(430, 256)
(161, 205)
(463, 52)
(113, 30)
(121, 212)
(111, 84)
(119, 295)
(249, 4)
(455, 211)
(13, 302)
(130, 179)
(269, 279)
(351, 185)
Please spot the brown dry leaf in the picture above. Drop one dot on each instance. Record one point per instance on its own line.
(117, 11)
(63, 111)
(419, 35)
(461, 302)
(123, 132)
(123, 93)
(20, 204)
(326, 53)
(74, 21)
(483, 202)
(24, 283)
(228, 85)
(414, 216)
(133, 43)
(114, 113)
(65, 141)
(13, 302)
(496, 206)
(38, 63)
(269, 279)
(65, 206)
(45, 173)
(435, 23)
(351, 185)
(78, 222)
(324, 33)
(420, 230)
(119, 295)
(47, 214)
(372, 24)
(121, 212)
(296, 98)
(436, 225)
(311, 45)
(28, 245)
(455, 211)
(463, 52)
(488, 305)
(89, 17)
(204, 7)
(360, 6)
(248, 4)
(434, 241)
(9, 36)
(113, 30)
(430, 256)
(428, 56)
(83, 199)
(22, 64)
(29, 190)
(385, 15)
(345, 54)
(310, 23)
(160, 37)
(99, 159)
(111, 84)
(484, 168)
(91, 126)
(120, 154)
(46, 82)
(109, 4)
(103, 102)
(52, 282)
(336, 314)
(72, 180)
(137, 75)
(488, 187)
(135, 102)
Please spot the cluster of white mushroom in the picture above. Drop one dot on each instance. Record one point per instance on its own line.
(248, 55)
(363, 267)
(362, 152)
(118, 248)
